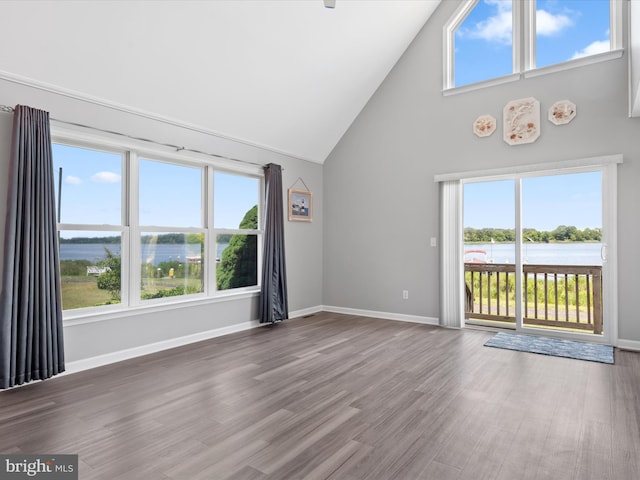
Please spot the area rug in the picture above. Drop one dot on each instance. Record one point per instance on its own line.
(553, 346)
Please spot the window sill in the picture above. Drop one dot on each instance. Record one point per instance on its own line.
(480, 85)
(578, 62)
(80, 317)
(538, 72)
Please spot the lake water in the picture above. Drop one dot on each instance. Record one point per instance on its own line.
(544, 253)
(153, 254)
(533, 253)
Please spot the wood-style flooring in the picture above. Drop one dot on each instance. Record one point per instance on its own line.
(337, 397)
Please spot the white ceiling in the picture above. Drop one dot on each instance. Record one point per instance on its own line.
(290, 76)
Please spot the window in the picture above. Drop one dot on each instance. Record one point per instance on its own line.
(484, 43)
(90, 224)
(171, 231)
(235, 221)
(138, 230)
(493, 39)
(572, 29)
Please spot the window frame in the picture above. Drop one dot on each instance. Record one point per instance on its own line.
(130, 230)
(523, 46)
(123, 228)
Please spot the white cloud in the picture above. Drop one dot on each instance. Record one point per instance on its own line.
(548, 24)
(105, 177)
(496, 28)
(73, 180)
(593, 48)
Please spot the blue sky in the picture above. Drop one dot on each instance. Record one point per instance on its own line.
(170, 195)
(547, 202)
(565, 29)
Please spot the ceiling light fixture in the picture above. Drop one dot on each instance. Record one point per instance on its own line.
(329, 3)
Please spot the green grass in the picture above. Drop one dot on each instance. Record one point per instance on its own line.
(82, 291)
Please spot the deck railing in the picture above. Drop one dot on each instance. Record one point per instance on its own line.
(564, 296)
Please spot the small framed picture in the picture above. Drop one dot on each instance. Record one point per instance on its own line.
(300, 205)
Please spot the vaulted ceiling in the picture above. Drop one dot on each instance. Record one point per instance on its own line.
(290, 75)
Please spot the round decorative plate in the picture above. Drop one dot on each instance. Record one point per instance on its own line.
(562, 112)
(484, 125)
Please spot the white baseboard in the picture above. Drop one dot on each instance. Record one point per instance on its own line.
(628, 344)
(400, 317)
(113, 357)
(305, 311)
(120, 355)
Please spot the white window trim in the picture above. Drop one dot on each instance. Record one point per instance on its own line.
(523, 46)
(131, 149)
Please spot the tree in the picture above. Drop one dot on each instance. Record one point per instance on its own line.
(237, 267)
(110, 278)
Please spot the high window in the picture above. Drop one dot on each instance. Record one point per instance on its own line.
(136, 230)
(495, 39)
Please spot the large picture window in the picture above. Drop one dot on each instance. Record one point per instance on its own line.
(493, 39)
(136, 230)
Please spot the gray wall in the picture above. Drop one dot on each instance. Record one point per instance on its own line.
(381, 204)
(303, 240)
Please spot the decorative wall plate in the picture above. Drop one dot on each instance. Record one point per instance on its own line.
(484, 125)
(562, 112)
(521, 121)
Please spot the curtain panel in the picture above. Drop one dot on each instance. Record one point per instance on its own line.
(273, 296)
(451, 255)
(31, 335)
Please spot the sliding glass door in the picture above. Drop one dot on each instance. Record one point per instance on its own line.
(537, 249)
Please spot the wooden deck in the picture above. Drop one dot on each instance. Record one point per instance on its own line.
(337, 397)
(557, 296)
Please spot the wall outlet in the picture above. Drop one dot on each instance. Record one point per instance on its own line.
(405, 294)
(434, 242)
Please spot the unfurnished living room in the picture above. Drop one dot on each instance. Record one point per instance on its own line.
(319, 239)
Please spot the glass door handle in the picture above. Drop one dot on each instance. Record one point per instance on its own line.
(603, 252)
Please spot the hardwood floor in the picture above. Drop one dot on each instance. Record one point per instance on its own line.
(337, 397)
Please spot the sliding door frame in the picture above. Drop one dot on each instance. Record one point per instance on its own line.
(607, 165)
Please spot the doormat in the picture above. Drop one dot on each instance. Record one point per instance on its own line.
(553, 346)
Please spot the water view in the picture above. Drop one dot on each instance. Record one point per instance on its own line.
(543, 253)
(153, 254)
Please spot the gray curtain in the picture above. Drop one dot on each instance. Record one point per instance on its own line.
(274, 305)
(31, 344)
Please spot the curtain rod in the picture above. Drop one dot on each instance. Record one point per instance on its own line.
(7, 109)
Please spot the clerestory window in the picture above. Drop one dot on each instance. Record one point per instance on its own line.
(487, 40)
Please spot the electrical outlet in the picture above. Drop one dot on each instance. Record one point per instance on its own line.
(434, 242)
(405, 294)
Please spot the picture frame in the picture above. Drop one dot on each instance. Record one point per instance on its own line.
(300, 205)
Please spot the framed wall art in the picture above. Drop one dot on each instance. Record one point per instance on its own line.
(300, 205)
